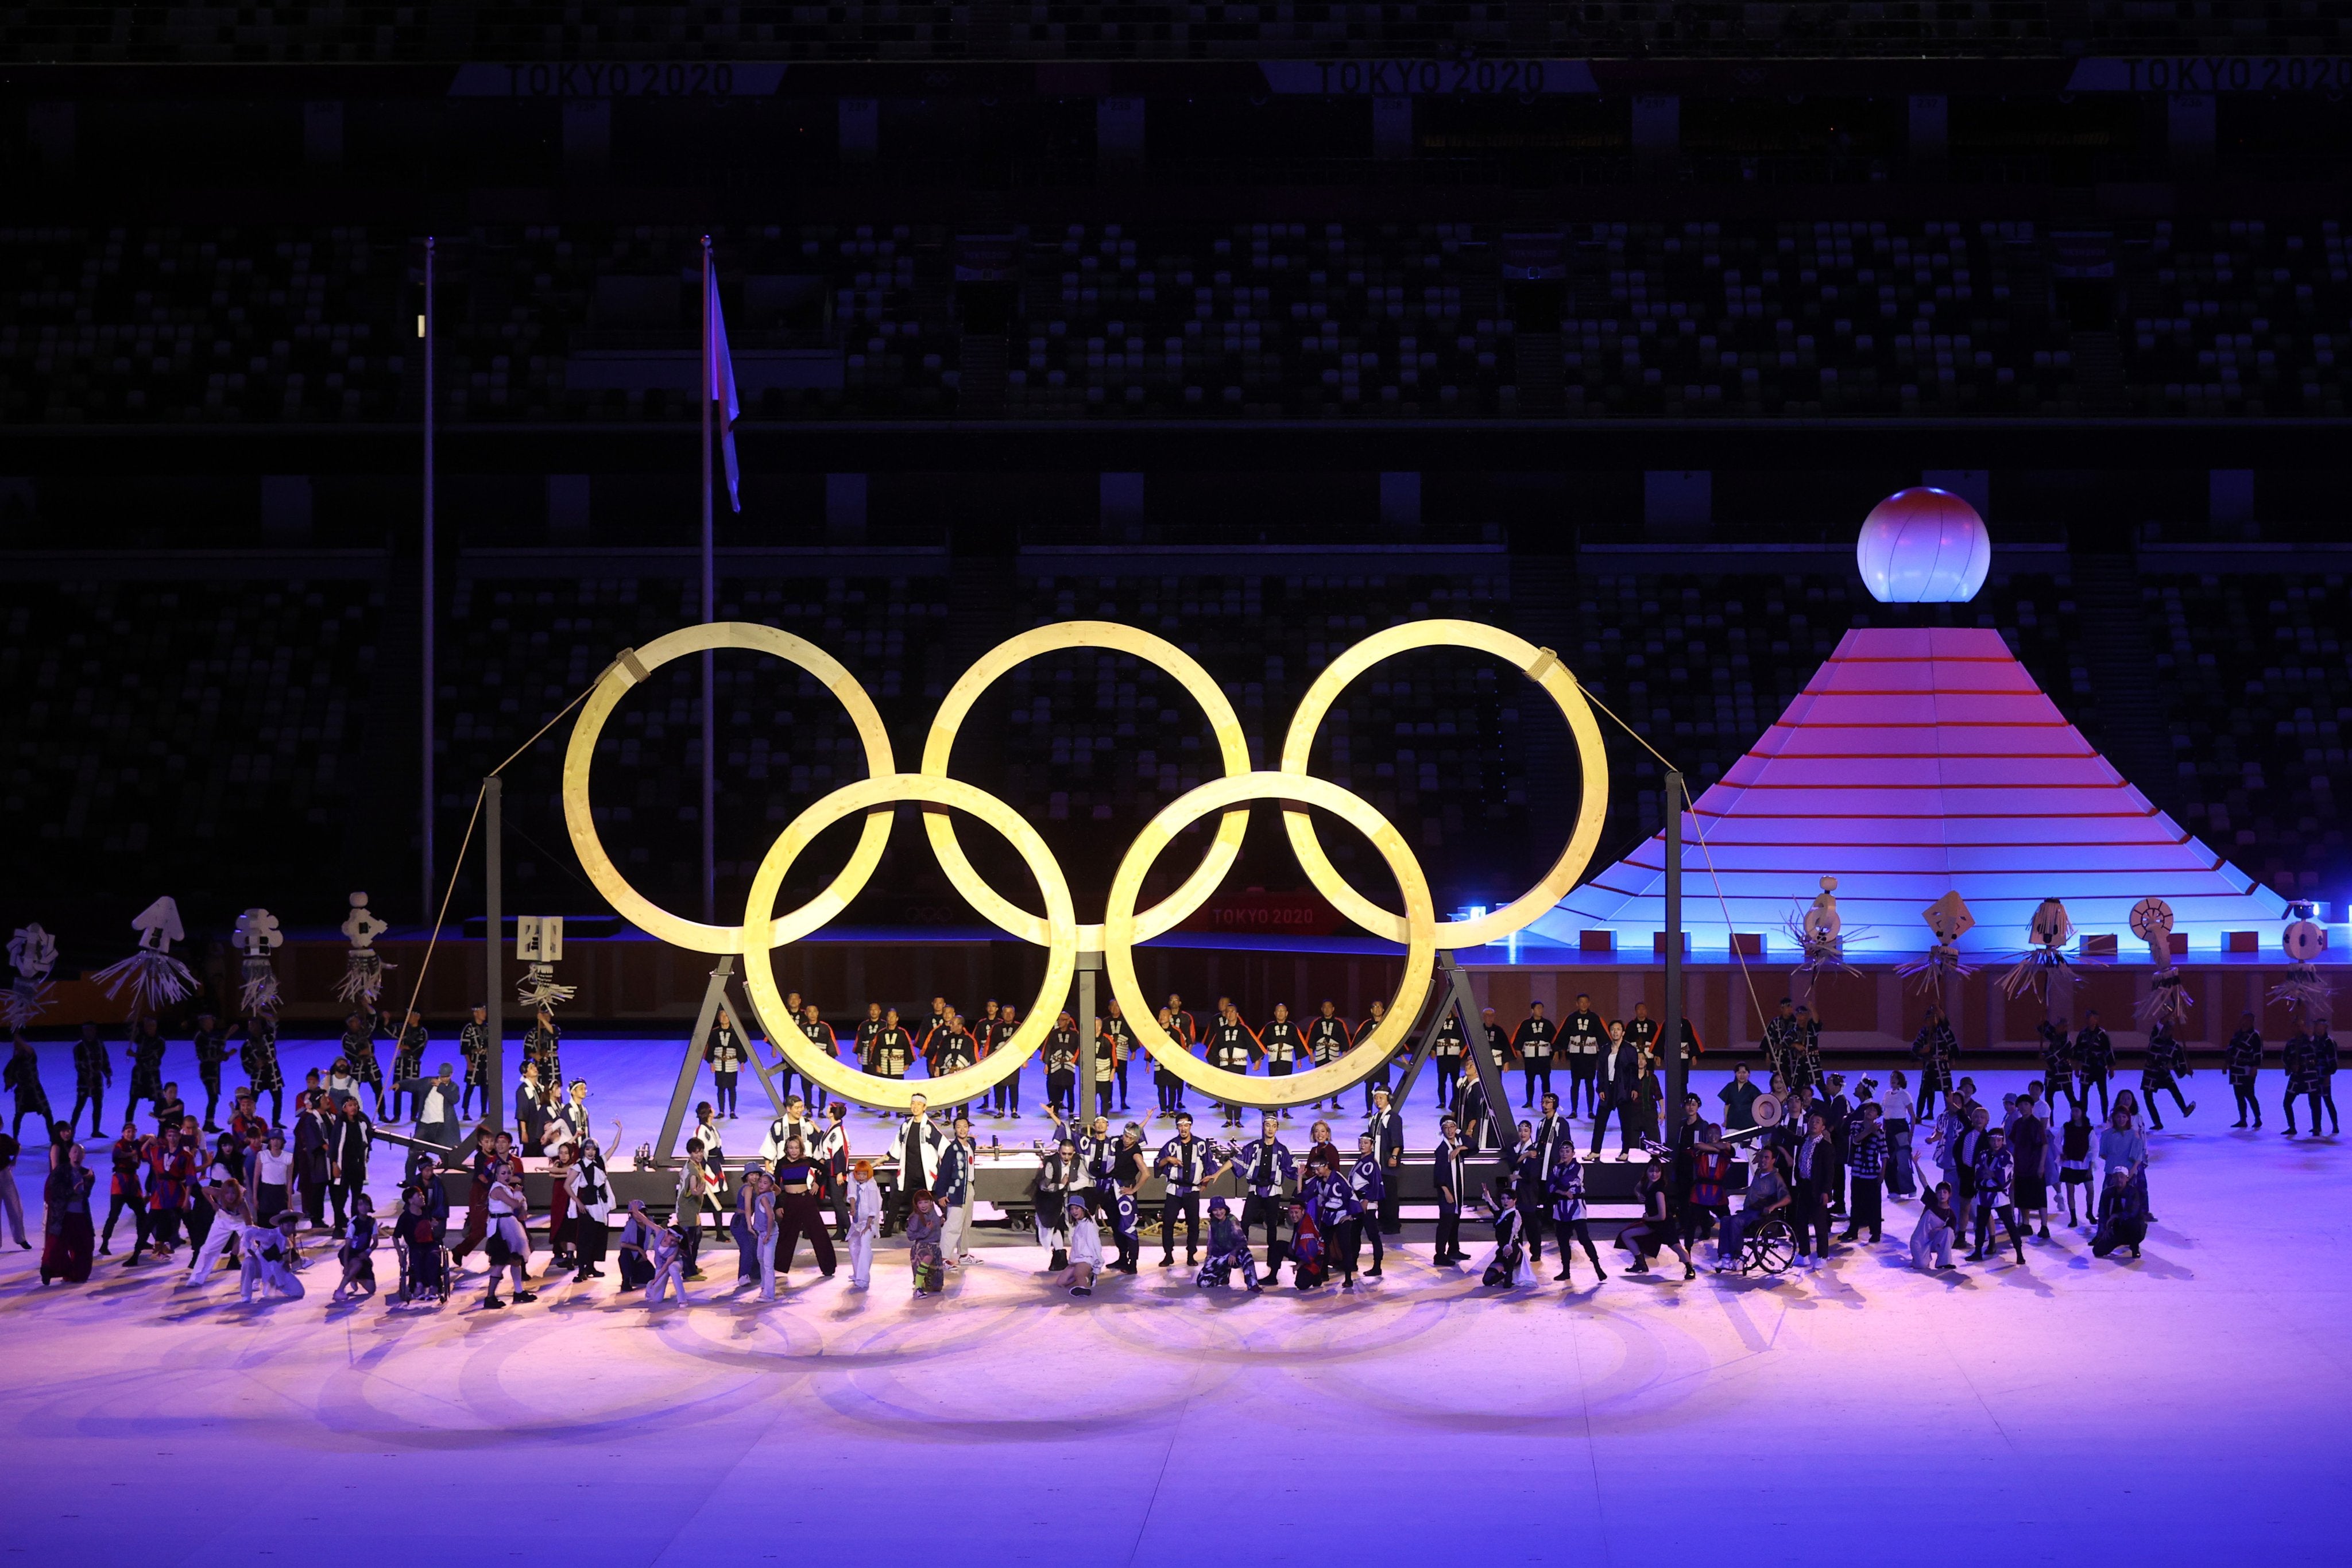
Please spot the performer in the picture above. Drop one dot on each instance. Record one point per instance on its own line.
(269, 1261)
(1373, 1018)
(2323, 1060)
(1284, 1044)
(1328, 1040)
(1228, 1251)
(2095, 1058)
(231, 1213)
(2058, 1060)
(932, 1032)
(1995, 1171)
(1765, 1195)
(1112, 1049)
(1935, 1046)
(407, 1064)
(1447, 1052)
(793, 1123)
(590, 1185)
(1233, 1047)
(1062, 1066)
(822, 1040)
(2300, 1056)
(725, 1050)
(1126, 1215)
(1310, 1267)
(1507, 1267)
(1386, 1130)
(1337, 1216)
(1264, 1164)
(917, 1148)
(146, 1053)
(473, 1046)
(1565, 1186)
(1368, 1183)
(357, 1254)
(894, 1048)
(1627, 1088)
(1531, 1042)
(954, 1188)
(531, 1110)
(434, 1100)
(665, 1256)
(865, 1222)
(1779, 1044)
(2033, 1160)
(543, 1043)
(1006, 1093)
(508, 1242)
(479, 1167)
(797, 1186)
(869, 1029)
(1865, 1161)
(1187, 1164)
(122, 1192)
(1060, 1181)
(349, 1137)
(170, 1169)
(1804, 1068)
(1448, 1172)
(1654, 1230)
(832, 1156)
(1085, 1250)
(93, 1071)
(1582, 1034)
(1546, 1142)
(358, 1048)
(1739, 1098)
(1813, 1170)
(2161, 1070)
(22, 1076)
(923, 1253)
(66, 1228)
(2245, 1066)
(957, 1048)
(1939, 1224)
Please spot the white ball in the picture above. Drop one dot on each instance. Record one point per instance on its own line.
(1924, 545)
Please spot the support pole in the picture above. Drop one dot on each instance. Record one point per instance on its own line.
(425, 330)
(493, 958)
(709, 613)
(1089, 1031)
(1671, 1028)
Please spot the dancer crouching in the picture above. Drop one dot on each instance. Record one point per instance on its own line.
(1085, 1250)
(1228, 1251)
(1506, 1266)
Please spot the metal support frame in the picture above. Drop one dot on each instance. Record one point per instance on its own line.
(689, 1068)
(1671, 1027)
(1453, 994)
(493, 953)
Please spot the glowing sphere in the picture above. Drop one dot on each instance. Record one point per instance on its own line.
(1924, 545)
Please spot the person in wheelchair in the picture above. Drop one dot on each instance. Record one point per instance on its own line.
(417, 1235)
(1766, 1196)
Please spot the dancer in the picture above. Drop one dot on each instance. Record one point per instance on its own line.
(232, 1212)
(864, 1223)
(2034, 1161)
(1110, 1049)
(2245, 1060)
(1531, 1042)
(923, 1227)
(1897, 1120)
(2300, 1056)
(473, 1046)
(1938, 1225)
(23, 1077)
(1228, 1251)
(2075, 1162)
(358, 1048)
(543, 1043)
(349, 1137)
(2165, 1063)
(1368, 1182)
(2058, 1059)
(122, 1190)
(1059, 1179)
(2323, 1059)
(408, 1062)
(146, 1053)
(1062, 1066)
(1506, 1267)
(915, 1148)
(1310, 1266)
(665, 1254)
(268, 1261)
(893, 1048)
(798, 1183)
(793, 1123)
(1233, 1047)
(832, 1156)
(724, 1051)
(1654, 1231)
(1583, 1035)
(1866, 1163)
(1935, 1046)
(1328, 1040)
(1125, 1215)
(357, 1254)
(1338, 1216)
(93, 1071)
(1188, 1163)
(2095, 1058)
(1566, 1184)
(211, 1042)
(508, 1242)
(66, 1225)
(1996, 1169)
(1386, 1129)
(1447, 1173)
(1085, 1263)
(759, 1226)
(1266, 1168)
(2123, 1215)
(952, 1187)
(631, 1249)
(1447, 1052)
(591, 1189)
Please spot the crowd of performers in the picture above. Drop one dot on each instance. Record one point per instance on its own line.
(251, 1194)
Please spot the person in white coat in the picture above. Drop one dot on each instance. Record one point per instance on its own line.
(865, 1222)
(1086, 1251)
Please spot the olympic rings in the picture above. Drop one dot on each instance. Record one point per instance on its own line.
(1540, 665)
(1010, 918)
(1057, 930)
(633, 667)
(1119, 923)
(1061, 922)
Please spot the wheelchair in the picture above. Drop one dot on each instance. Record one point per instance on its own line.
(406, 1296)
(1768, 1249)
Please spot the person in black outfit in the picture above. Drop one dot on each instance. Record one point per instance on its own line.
(1449, 1172)
(1531, 1042)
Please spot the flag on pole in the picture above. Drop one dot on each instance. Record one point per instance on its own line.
(722, 391)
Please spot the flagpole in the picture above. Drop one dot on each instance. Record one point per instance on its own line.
(425, 330)
(709, 613)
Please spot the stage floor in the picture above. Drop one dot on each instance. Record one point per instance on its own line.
(2186, 1408)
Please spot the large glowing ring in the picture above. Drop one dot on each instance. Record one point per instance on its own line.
(1120, 924)
(1061, 924)
(1171, 660)
(633, 667)
(1540, 665)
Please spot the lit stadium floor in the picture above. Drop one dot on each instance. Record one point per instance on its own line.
(2180, 1409)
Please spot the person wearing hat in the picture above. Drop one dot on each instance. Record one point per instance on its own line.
(438, 1103)
(1085, 1250)
(1228, 1251)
